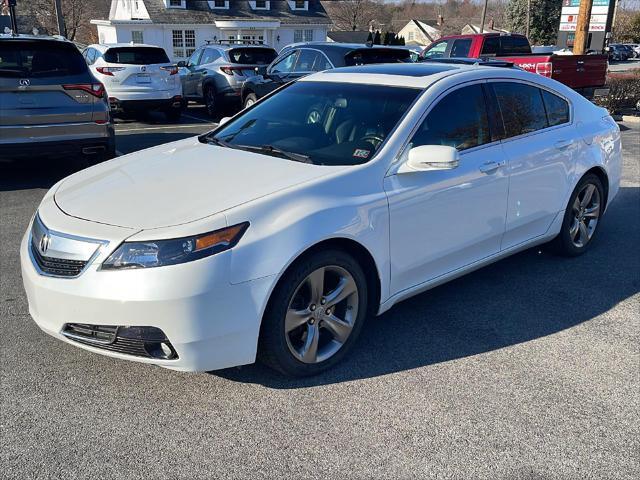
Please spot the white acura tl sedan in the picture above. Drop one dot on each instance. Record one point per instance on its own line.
(276, 235)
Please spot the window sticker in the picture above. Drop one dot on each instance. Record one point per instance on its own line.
(361, 153)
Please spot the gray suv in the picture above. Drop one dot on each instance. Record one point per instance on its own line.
(51, 104)
(214, 74)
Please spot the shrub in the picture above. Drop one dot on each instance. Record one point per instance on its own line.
(624, 91)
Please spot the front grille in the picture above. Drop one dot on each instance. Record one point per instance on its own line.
(57, 266)
(137, 341)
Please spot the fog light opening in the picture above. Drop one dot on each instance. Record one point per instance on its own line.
(161, 350)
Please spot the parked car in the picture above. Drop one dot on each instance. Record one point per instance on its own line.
(300, 59)
(138, 78)
(214, 74)
(50, 104)
(584, 73)
(617, 53)
(277, 237)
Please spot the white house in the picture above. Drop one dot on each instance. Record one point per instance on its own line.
(182, 25)
(417, 32)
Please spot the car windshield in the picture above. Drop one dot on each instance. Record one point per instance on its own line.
(319, 122)
(39, 59)
(252, 56)
(136, 55)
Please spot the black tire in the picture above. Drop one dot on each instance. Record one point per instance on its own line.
(249, 100)
(210, 100)
(173, 114)
(273, 348)
(564, 244)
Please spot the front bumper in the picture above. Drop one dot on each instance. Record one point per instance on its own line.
(211, 323)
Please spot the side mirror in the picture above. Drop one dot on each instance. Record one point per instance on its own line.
(430, 157)
(223, 120)
(182, 64)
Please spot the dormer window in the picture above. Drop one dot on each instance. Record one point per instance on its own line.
(219, 4)
(175, 3)
(298, 4)
(259, 4)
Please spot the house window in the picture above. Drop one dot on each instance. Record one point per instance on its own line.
(220, 4)
(308, 35)
(175, 3)
(411, 36)
(184, 43)
(297, 36)
(261, 3)
(299, 4)
(137, 36)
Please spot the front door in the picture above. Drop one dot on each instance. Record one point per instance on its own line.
(441, 221)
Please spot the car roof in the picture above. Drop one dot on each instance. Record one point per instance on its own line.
(44, 38)
(103, 47)
(337, 46)
(417, 75)
(230, 46)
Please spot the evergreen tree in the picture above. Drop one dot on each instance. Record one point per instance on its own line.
(370, 38)
(544, 19)
(377, 39)
(385, 38)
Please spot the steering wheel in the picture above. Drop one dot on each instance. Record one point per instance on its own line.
(372, 138)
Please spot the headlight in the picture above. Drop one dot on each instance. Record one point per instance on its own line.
(159, 253)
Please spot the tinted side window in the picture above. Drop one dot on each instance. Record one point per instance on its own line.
(514, 45)
(194, 59)
(322, 63)
(490, 46)
(460, 48)
(557, 108)
(285, 65)
(521, 106)
(305, 62)
(458, 120)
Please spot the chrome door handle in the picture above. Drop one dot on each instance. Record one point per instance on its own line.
(490, 167)
(561, 144)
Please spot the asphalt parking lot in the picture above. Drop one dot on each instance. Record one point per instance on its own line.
(529, 368)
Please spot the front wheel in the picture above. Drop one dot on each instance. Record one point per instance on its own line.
(581, 218)
(315, 314)
(210, 101)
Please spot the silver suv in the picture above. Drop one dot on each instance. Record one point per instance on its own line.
(51, 104)
(214, 74)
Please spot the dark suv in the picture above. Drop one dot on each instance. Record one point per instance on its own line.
(214, 74)
(50, 104)
(302, 59)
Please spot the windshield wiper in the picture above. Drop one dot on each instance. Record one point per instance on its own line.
(271, 150)
(214, 141)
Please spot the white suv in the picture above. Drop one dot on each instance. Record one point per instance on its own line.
(137, 77)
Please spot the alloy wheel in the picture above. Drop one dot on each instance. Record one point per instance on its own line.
(210, 100)
(586, 213)
(321, 314)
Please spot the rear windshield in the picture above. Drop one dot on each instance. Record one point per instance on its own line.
(136, 55)
(367, 56)
(40, 59)
(252, 56)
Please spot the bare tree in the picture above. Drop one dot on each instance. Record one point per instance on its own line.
(353, 14)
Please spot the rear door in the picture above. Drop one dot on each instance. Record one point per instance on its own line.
(250, 58)
(540, 144)
(42, 82)
(138, 69)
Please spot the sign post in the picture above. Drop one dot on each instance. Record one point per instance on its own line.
(598, 23)
(582, 28)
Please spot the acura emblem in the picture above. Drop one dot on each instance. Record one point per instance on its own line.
(143, 69)
(24, 82)
(44, 243)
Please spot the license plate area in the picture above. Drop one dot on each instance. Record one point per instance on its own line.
(143, 78)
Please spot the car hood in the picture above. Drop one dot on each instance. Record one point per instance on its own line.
(177, 183)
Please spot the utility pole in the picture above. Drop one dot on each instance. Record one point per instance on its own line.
(528, 18)
(12, 14)
(484, 14)
(60, 18)
(582, 28)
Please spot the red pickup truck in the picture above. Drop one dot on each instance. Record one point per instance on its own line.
(584, 73)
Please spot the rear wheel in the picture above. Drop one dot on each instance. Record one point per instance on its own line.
(250, 100)
(581, 218)
(315, 314)
(210, 101)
